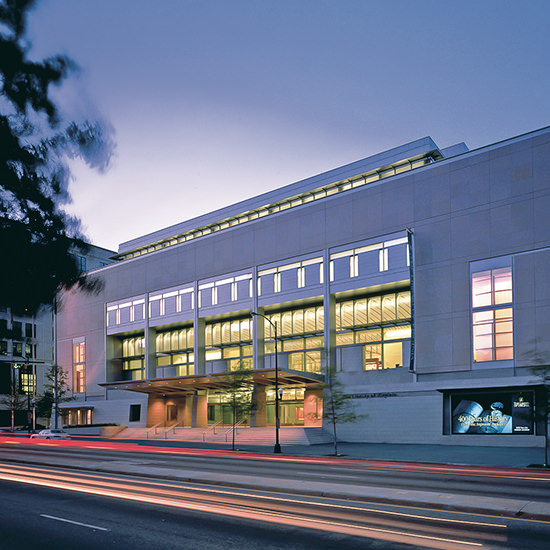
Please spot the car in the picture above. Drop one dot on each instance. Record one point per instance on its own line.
(53, 433)
(28, 428)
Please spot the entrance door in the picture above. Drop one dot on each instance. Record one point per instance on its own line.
(171, 414)
(290, 414)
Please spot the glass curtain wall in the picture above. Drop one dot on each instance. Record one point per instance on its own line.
(133, 358)
(232, 341)
(300, 335)
(381, 324)
(175, 353)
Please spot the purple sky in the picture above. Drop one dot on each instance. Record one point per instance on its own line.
(216, 101)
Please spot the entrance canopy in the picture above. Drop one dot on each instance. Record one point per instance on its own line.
(182, 385)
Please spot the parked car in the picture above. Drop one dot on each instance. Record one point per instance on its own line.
(54, 433)
(28, 428)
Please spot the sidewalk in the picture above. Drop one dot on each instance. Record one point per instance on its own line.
(511, 457)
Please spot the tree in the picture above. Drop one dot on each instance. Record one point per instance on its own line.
(536, 358)
(36, 145)
(56, 391)
(337, 407)
(44, 404)
(542, 410)
(15, 400)
(238, 387)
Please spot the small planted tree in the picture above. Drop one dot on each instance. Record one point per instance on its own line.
(44, 404)
(56, 391)
(542, 410)
(337, 407)
(14, 401)
(239, 392)
(537, 359)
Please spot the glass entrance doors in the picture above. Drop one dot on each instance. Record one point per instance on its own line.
(290, 414)
(291, 407)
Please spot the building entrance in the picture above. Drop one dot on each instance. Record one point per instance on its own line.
(291, 407)
(227, 409)
(290, 414)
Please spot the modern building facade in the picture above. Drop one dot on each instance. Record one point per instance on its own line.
(420, 274)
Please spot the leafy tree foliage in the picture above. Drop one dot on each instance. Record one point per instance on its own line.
(56, 391)
(44, 405)
(15, 400)
(238, 388)
(36, 144)
(542, 411)
(337, 407)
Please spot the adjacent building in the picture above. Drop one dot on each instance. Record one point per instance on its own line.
(27, 349)
(420, 274)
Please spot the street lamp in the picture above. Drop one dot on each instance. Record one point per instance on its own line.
(277, 448)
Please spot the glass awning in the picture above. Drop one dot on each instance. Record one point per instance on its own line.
(189, 384)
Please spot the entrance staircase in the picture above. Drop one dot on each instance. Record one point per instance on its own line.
(288, 435)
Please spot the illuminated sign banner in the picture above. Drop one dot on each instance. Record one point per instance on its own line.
(493, 413)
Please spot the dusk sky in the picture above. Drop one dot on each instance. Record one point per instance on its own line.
(215, 101)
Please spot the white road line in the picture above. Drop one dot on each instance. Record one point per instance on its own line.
(74, 522)
(324, 474)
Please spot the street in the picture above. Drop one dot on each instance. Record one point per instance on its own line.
(281, 472)
(126, 495)
(61, 509)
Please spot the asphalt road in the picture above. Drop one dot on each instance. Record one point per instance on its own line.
(235, 469)
(59, 508)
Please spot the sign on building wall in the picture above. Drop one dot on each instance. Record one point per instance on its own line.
(493, 413)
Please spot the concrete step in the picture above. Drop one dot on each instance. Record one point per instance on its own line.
(252, 436)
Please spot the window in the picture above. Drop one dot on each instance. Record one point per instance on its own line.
(300, 335)
(79, 367)
(135, 413)
(81, 263)
(230, 340)
(380, 323)
(29, 332)
(17, 328)
(3, 347)
(383, 264)
(492, 315)
(18, 349)
(175, 352)
(133, 358)
(277, 282)
(26, 378)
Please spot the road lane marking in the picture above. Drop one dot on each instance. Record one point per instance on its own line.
(74, 522)
(152, 487)
(324, 474)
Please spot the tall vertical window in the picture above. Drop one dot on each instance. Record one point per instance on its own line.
(79, 367)
(27, 380)
(81, 263)
(175, 352)
(492, 315)
(133, 358)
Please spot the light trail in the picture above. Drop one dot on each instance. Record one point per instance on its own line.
(152, 486)
(358, 464)
(353, 520)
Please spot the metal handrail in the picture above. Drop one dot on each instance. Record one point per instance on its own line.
(211, 428)
(149, 430)
(242, 421)
(172, 427)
